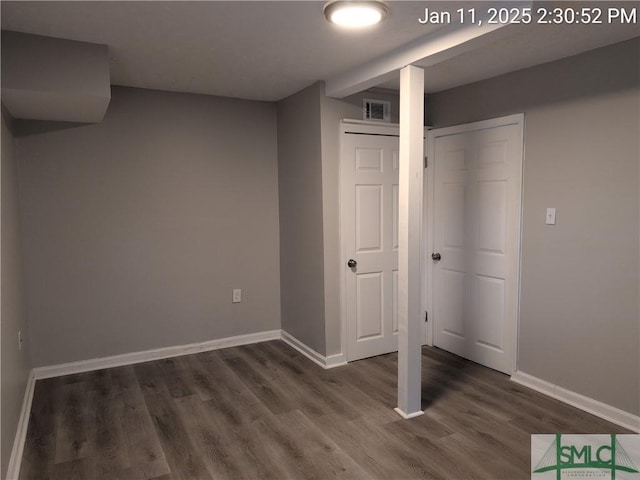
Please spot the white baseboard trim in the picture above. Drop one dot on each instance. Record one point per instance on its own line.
(15, 460)
(336, 360)
(155, 354)
(331, 361)
(407, 416)
(599, 409)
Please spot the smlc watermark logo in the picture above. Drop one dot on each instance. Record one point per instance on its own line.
(592, 457)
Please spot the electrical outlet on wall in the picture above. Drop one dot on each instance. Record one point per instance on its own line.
(237, 295)
(19, 339)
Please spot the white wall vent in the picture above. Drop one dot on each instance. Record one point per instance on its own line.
(379, 110)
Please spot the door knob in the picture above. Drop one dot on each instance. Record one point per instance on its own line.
(352, 263)
(436, 256)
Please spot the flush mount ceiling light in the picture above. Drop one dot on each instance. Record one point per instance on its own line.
(355, 13)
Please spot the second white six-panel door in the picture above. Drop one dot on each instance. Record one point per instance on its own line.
(477, 184)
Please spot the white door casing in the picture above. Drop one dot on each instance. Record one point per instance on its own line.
(475, 226)
(369, 210)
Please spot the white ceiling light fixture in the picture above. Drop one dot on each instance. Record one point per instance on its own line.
(356, 13)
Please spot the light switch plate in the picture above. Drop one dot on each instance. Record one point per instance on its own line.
(237, 296)
(551, 216)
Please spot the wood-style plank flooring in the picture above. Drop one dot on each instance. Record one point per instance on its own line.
(264, 411)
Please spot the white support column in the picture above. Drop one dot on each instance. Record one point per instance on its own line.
(409, 236)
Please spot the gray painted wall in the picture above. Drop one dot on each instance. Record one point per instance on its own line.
(309, 182)
(13, 314)
(301, 229)
(137, 229)
(332, 111)
(579, 311)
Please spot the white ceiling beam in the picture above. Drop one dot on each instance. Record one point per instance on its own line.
(443, 44)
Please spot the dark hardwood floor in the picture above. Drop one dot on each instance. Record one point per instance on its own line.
(264, 411)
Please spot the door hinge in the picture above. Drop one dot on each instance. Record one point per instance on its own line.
(426, 317)
(426, 162)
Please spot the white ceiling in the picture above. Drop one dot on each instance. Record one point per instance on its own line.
(268, 50)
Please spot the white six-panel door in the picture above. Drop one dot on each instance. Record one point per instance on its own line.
(369, 204)
(476, 228)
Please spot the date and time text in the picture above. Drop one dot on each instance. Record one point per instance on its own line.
(536, 15)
